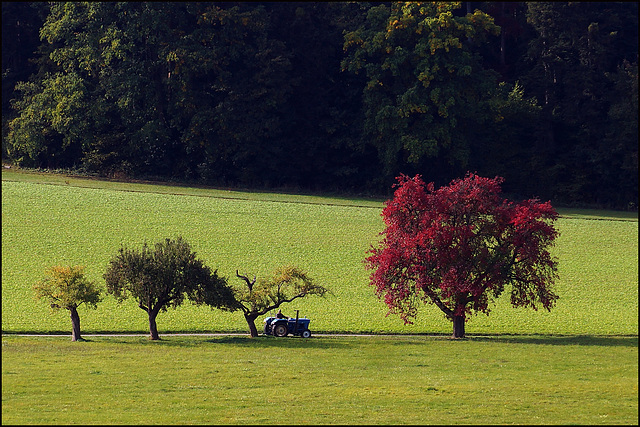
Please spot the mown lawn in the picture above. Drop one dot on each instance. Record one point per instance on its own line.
(320, 380)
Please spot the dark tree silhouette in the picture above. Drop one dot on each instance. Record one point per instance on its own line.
(162, 277)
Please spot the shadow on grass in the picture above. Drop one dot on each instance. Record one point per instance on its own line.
(329, 342)
(168, 340)
(337, 341)
(581, 340)
(274, 342)
(286, 343)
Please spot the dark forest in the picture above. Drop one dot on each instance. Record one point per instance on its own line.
(337, 97)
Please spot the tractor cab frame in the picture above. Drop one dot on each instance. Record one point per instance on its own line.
(290, 326)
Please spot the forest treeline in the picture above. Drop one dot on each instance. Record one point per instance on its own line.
(329, 96)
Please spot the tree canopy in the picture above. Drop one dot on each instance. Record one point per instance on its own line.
(460, 246)
(161, 278)
(425, 84)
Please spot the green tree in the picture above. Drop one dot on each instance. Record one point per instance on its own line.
(161, 277)
(426, 87)
(163, 89)
(504, 52)
(122, 52)
(68, 288)
(286, 284)
(52, 124)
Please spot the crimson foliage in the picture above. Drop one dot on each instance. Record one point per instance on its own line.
(459, 246)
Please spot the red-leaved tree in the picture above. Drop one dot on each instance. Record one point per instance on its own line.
(460, 246)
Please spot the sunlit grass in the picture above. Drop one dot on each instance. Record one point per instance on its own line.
(567, 366)
(86, 221)
(321, 380)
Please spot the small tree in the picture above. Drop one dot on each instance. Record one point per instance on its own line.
(67, 287)
(459, 246)
(160, 278)
(286, 284)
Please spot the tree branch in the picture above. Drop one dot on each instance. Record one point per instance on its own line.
(438, 302)
(250, 283)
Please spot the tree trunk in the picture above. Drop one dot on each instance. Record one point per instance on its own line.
(458, 326)
(251, 321)
(75, 324)
(153, 329)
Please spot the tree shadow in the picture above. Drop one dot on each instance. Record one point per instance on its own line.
(329, 341)
(284, 343)
(580, 340)
(278, 342)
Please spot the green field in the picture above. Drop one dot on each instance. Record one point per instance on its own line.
(577, 364)
(322, 380)
(52, 219)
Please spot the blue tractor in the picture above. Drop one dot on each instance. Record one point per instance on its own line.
(283, 327)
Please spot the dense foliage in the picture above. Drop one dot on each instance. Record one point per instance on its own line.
(459, 246)
(161, 277)
(329, 96)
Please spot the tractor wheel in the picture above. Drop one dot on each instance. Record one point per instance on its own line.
(267, 328)
(280, 330)
(306, 334)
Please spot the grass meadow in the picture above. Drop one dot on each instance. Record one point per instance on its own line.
(576, 364)
(322, 380)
